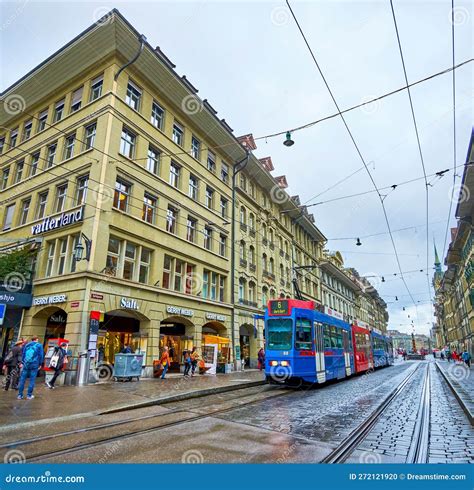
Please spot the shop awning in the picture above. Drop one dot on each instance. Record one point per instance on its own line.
(215, 339)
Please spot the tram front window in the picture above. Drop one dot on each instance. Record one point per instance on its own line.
(279, 334)
(303, 339)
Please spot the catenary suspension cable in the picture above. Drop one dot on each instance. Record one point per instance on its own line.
(355, 145)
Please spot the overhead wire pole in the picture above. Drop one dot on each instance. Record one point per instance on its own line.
(454, 131)
(417, 140)
(357, 149)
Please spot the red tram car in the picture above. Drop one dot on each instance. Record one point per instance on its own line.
(363, 355)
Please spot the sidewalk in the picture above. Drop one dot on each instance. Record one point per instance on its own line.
(461, 380)
(70, 402)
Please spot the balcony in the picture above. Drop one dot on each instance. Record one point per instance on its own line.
(269, 275)
(252, 232)
(246, 302)
(253, 267)
(243, 226)
(243, 263)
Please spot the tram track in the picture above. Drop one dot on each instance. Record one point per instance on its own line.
(350, 444)
(178, 416)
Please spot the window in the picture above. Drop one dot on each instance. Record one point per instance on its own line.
(62, 255)
(129, 261)
(133, 96)
(252, 221)
(76, 101)
(252, 255)
(149, 208)
(279, 333)
(221, 288)
(41, 205)
(51, 155)
(243, 216)
(19, 171)
(42, 118)
(264, 296)
(113, 255)
(193, 187)
(5, 174)
(121, 195)
(205, 284)
(189, 278)
(61, 194)
(303, 339)
(241, 290)
(242, 251)
(167, 271)
(96, 87)
(195, 148)
(59, 111)
(144, 272)
(81, 189)
(27, 130)
(271, 268)
(224, 204)
(222, 245)
(178, 133)
(69, 146)
(264, 262)
(9, 212)
(127, 143)
(174, 174)
(209, 197)
(34, 163)
(171, 218)
(211, 161)
(25, 207)
(213, 294)
(208, 238)
(224, 172)
(178, 275)
(251, 189)
(50, 261)
(191, 229)
(243, 182)
(157, 115)
(13, 138)
(2, 144)
(89, 136)
(252, 292)
(153, 160)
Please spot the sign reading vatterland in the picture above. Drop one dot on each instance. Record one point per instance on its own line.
(64, 219)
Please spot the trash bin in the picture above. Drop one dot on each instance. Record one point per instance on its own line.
(128, 366)
(83, 366)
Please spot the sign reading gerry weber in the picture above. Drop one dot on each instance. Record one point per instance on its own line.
(64, 219)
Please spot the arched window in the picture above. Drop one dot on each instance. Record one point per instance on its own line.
(241, 290)
(242, 250)
(280, 243)
(272, 294)
(264, 296)
(287, 248)
(288, 274)
(252, 255)
(252, 221)
(271, 266)
(270, 235)
(282, 272)
(243, 215)
(264, 262)
(251, 292)
(264, 231)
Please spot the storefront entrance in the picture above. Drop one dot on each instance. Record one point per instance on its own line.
(248, 346)
(55, 327)
(215, 334)
(175, 333)
(117, 330)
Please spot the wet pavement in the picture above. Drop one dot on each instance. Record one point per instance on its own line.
(72, 402)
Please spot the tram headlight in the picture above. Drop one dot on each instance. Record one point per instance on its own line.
(284, 363)
(273, 363)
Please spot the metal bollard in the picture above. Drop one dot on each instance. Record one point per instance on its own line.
(83, 367)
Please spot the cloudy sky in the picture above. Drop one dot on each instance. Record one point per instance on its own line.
(249, 60)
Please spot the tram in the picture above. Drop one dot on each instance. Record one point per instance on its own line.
(304, 345)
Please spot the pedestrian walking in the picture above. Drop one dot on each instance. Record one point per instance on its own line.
(261, 359)
(194, 360)
(442, 355)
(126, 349)
(187, 363)
(12, 366)
(448, 355)
(404, 354)
(58, 361)
(31, 362)
(466, 357)
(165, 361)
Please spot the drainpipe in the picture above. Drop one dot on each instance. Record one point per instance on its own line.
(142, 40)
(236, 169)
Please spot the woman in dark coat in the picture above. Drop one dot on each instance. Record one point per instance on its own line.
(59, 355)
(13, 366)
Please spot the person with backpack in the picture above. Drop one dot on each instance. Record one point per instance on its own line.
(32, 360)
(194, 360)
(187, 363)
(466, 357)
(57, 362)
(13, 365)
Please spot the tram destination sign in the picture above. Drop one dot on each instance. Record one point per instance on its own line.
(279, 307)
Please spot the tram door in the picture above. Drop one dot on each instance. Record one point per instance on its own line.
(319, 352)
(347, 354)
